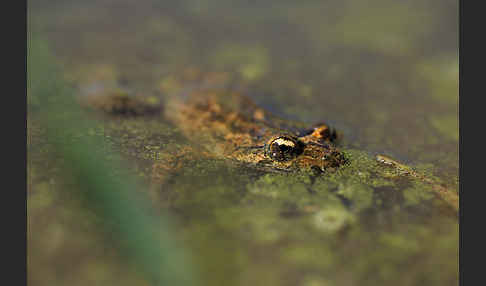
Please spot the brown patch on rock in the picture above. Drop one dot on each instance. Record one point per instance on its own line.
(122, 104)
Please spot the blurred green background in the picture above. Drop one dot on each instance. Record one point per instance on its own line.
(384, 73)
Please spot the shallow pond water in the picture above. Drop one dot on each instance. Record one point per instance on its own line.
(384, 74)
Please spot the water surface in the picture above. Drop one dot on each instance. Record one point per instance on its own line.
(384, 73)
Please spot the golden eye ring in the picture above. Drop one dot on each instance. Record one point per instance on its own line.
(284, 148)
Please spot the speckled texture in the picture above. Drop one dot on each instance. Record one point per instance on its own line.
(389, 86)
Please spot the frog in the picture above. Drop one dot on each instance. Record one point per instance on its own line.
(217, 115)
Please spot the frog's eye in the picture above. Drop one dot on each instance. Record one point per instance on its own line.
(284, 148)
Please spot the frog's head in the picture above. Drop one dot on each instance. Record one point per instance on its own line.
(288, 152)
(312, 149)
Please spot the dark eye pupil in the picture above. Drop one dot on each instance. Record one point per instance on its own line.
(284, 148)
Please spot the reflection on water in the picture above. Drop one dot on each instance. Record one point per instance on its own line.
(384, 73)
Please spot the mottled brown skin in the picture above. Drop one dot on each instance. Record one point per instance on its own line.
(231, 126)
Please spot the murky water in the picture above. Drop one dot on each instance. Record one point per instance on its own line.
(384, 73)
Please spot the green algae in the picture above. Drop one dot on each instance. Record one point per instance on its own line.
(397, 36)
(296, 220)
(250, 61)
(361, 195)
(404, 246)
(250, 228)
(416, 195)
(43, 197)
(333, 219)
(280, 186)
(269, 222)
(441, 75)
(447, 125)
